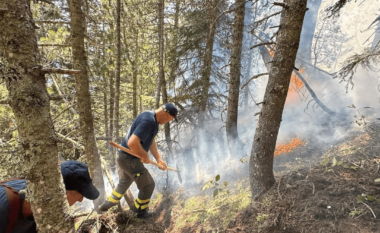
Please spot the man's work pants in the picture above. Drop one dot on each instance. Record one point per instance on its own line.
(132, 169)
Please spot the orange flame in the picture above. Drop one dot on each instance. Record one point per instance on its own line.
(286, 148)
(295, 83)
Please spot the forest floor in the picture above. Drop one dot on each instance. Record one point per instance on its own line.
(338, 193)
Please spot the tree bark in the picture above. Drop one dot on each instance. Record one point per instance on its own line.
(234, 83)
(160, 81)
(117, 73)
(29, 100)
(84, 99)
(207, 61)
(105, 100)
(134, 90)
(264, 142)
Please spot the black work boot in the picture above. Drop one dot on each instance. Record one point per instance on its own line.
(106, 205)
(143, 214)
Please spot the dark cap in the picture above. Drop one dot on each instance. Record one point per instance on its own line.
(171, 109)
(76, 177)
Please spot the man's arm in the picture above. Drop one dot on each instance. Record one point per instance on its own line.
(153, 149)
(135, 146)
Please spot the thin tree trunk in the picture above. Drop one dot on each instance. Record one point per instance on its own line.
(105, 100)
(134, 90)
(29, 100)
(264, 143)
(207, 61)
(105, 91)
(234, 83)
(84, 99)
(248, 41)
(112, 103)
(160, 81)
(117, 73)
(173, 68)
(307, 34)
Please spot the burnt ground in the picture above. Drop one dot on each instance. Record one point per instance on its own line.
(339, 193)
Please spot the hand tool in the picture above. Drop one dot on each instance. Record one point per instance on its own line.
(136, 155)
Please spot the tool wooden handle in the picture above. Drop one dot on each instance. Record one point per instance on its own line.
(136, 155)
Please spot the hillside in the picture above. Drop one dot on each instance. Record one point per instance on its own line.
(340, 193)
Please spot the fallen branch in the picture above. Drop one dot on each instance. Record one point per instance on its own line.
(86, 218)
(312, 93)
(369, 209)
(314, 67)
(254, 77)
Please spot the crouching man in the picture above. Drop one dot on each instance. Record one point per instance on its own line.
(16, 215)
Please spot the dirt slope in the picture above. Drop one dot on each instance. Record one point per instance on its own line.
(339, 194)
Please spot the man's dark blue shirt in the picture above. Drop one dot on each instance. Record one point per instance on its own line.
(145, 127)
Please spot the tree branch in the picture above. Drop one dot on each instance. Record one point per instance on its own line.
(265, 43)
(75, 143)
(281, 4)
(265, 18)
(55, 45)
(46, 1)
(58, 97)
(254, 77)
(312, 93)
(103, 138)
(51, 21)
(314, 67)
(59, 92)
(59, 71)
(4, 101)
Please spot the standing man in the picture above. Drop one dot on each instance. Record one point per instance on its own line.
(16, 215)
(140, 139)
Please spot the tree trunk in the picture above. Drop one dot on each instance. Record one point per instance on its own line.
(105, 100)
(234, 83)
(207, 61)
(160, 81)
(29, 100)
(111, 103)
(174, 63)
(134, 90)
(264, 143)
(82, 88)
(248, 42)
(117, 73)
(307, 34)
